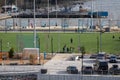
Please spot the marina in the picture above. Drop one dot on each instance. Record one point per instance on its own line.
(56, 33)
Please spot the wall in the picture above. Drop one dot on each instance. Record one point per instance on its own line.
(77, 77)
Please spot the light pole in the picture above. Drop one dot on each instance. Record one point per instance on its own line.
(78, 25)
(97, 44)
(48, 16)
(39, 48)
(1, 51)
(52, 45)
(92, 15)
(5, 19)
(79, 35)
(56, 8)
(1, 44)
(100, 37)
(34, 26)
(56, 27)
(100, 32)
(5, 5)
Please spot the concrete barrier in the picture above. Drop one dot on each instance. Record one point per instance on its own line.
(77, 77)
(39, 76)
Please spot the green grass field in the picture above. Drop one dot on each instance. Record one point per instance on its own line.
(89, 40)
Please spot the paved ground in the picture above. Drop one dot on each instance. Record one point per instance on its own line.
(57, 65)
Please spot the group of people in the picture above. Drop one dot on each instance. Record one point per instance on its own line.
(114, 37)
(68, 49)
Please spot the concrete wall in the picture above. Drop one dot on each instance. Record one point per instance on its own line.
(77, 77)
(38, 76)
(18, 76)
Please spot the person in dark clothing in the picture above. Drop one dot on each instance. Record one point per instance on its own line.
(113, 37)
(64, 48)
(71, 40)
(67, 49)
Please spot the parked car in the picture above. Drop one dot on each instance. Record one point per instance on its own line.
(101, 67)
(87, 70)
(113, 59)
(115, 70)
(107, 56)
(101, 56)
(72, 70)
(93, 56)
(118, 56)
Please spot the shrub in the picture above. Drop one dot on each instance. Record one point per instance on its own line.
(11, 53)
(32, 59)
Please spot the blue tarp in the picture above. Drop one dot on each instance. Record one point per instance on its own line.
(99, 13)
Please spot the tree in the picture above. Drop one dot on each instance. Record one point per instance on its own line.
(82, 49)
(11, 53)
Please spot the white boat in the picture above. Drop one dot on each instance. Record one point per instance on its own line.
(9, 9)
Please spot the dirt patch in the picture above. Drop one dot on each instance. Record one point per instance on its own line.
(27, 61)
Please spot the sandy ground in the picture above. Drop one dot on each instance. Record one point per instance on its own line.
(49, 57)
(27, 61)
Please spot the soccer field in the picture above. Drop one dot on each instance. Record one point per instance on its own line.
(56, 41)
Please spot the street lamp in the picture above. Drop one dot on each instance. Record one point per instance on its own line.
(52, 45)
(97, 44)
(56, 8)
(39, 48)
(100, 43)
(100, 37)
(1, 45)
(5, 19)
(92, 15)
(5, 5)
(48, 16)
(34, 27)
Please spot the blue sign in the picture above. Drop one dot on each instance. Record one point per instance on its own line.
(44, 55)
